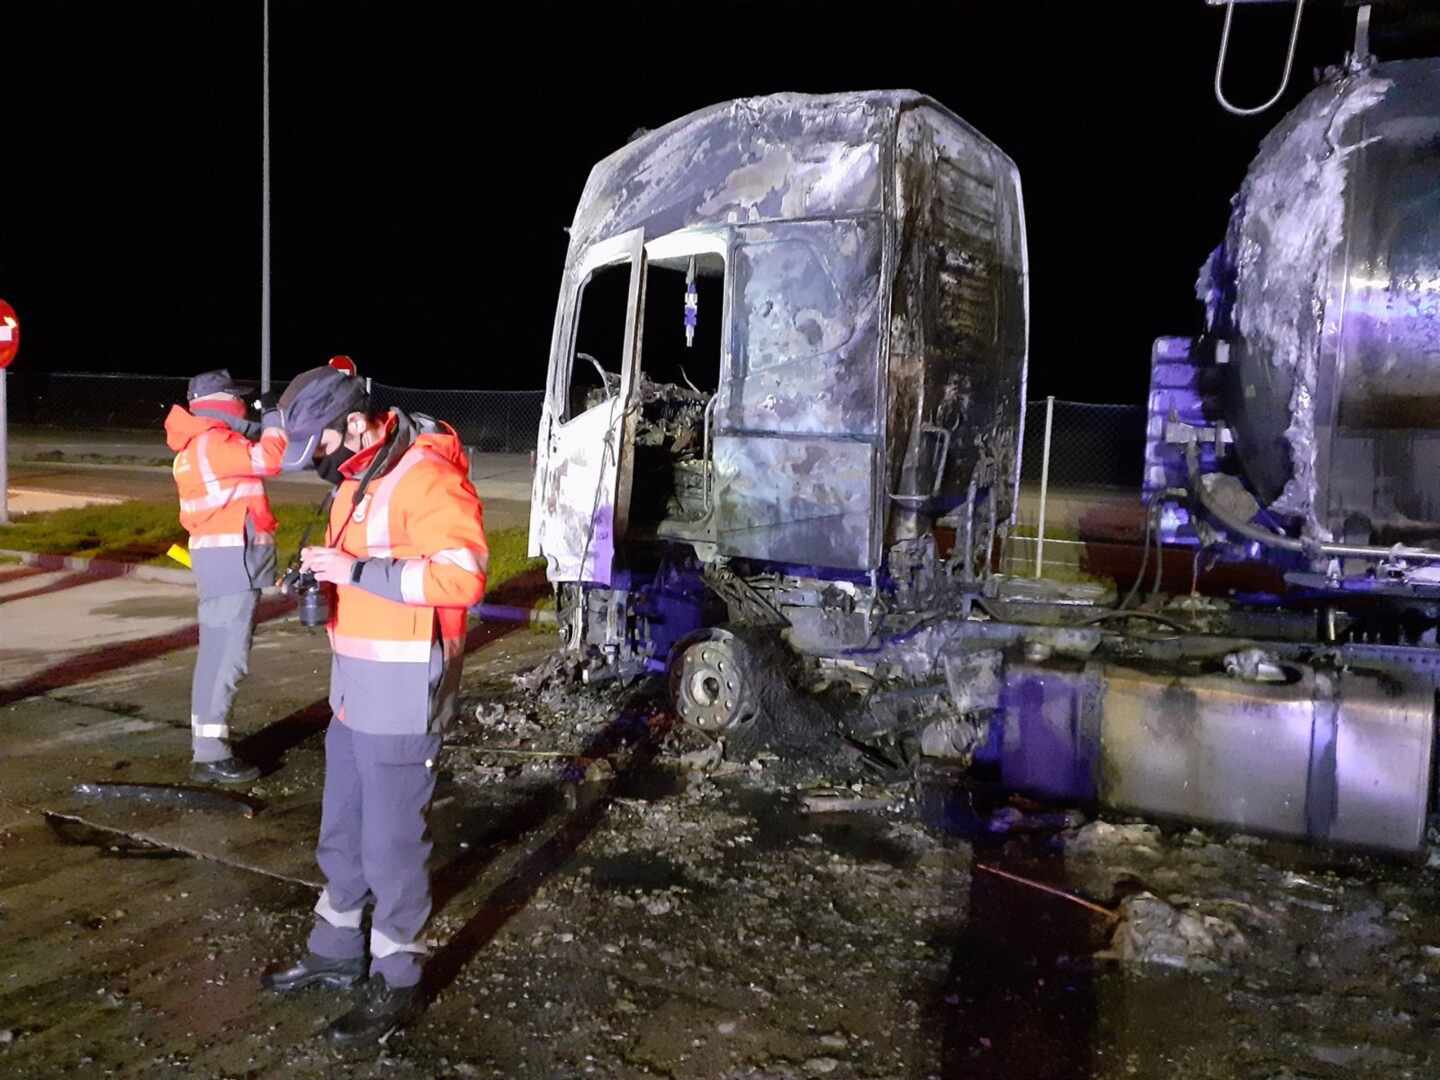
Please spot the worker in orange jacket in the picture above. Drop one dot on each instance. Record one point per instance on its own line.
(218, 471)
(406, 552)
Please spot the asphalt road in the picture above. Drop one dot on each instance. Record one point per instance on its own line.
(138, 482)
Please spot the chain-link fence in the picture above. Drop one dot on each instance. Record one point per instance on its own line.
(1096, 455)
(492, 421)
(1090, 445)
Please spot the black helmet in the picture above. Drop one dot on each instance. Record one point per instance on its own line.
(214, 382)
(315, 400)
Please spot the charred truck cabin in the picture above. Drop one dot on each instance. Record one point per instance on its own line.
(781, 444)
(776, 457)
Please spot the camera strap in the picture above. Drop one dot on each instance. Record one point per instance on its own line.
(399, 440)
(322, 511)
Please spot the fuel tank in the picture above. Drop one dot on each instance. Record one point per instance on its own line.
(1335, 755)
(1323, 311)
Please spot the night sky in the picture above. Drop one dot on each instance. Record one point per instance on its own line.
(426, 158)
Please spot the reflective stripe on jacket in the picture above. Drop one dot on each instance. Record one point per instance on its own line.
(399, 632)
(222, 500)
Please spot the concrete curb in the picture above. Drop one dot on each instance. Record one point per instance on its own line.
(101, 500)
(102, 568)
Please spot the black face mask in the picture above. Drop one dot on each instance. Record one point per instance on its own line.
(329, 466)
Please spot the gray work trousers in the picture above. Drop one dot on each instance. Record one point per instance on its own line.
(374, 846)
(227, 623)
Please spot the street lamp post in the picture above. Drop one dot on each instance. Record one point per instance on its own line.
(265, 203)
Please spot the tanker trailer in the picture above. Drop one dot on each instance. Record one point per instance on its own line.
(1304, 425)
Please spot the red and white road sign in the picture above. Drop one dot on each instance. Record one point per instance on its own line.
(344, 363)
(9, 334)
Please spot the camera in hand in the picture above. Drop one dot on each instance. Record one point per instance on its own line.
(312, 596)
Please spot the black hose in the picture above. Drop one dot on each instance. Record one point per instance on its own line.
(1159, 554)
(1150, 507)
(1287, 543)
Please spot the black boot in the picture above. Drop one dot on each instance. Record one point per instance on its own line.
(382, 1009)
(313, 970)
(230, 771)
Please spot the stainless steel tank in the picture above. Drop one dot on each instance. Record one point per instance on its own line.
(1325, 301)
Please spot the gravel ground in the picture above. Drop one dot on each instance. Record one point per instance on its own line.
(617, 908)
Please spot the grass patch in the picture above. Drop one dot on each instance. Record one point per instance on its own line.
(134, 531)
(508, 560)
(138, 530)
(142, 531)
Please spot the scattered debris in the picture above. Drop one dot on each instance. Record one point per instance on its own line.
(1254, 665)
(797, 909)
(504, 751)
(704, 759)
(187, 798)
(1152, 931)
(831, 803)
(1101, 836)
(599, 771)
(1012, 819)
(557, 670)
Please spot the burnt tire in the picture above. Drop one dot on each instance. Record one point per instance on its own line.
(734, 682)
(715, 679)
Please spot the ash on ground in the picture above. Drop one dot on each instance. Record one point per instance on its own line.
(613, 899)
(728, 920)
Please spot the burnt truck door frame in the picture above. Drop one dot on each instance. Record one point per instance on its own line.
(581, 497)
(706, 240)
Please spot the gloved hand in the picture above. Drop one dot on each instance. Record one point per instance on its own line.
(268, 405)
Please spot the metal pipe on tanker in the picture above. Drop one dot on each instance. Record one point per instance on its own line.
(1289, 543)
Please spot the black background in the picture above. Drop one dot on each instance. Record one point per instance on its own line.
(426, 158)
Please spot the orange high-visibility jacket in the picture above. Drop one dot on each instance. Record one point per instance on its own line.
(222, 500)
(398, 632)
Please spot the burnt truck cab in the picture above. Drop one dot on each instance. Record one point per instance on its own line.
(789, 356)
